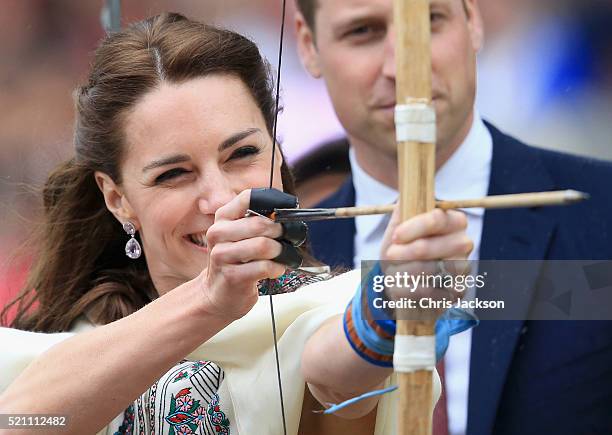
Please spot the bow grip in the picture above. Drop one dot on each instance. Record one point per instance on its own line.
(264, 200)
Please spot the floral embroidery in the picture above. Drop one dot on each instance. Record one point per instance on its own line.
(197, 366)
(181, 375)
(184, 403)
(127, 427)
(287, 283)
(186, 414)
(217, 417)
(180, 416)
(200, 415)
(194, 368)
(184, 394)
(184, 430)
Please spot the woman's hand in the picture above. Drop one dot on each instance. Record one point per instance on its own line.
(154, 337)
(241, 250)
(417, 245)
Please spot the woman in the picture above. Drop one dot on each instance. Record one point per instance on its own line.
(173, 129)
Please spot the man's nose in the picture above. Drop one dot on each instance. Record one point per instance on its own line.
(388, 68)
(214, 192)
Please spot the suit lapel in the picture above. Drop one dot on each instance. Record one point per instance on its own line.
(332, 241)
(517, 234)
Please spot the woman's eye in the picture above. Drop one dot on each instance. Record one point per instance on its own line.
(244, 152)
(171, 174)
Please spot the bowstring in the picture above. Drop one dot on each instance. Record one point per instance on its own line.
(278, 78)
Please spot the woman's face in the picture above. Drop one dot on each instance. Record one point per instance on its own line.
(190, 149)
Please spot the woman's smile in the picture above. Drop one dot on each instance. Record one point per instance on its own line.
(198, 240)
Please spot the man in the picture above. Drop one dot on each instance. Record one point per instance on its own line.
(504, 377)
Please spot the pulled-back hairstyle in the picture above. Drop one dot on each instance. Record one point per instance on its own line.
(80, 268)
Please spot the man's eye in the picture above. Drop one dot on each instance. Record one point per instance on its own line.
(435, 16)
(169, 175)
(361, 30)
(245, 151)
(365, 33)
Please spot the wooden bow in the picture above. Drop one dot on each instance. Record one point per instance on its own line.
(416, 188)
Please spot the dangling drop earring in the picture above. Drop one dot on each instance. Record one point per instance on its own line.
(132, 247)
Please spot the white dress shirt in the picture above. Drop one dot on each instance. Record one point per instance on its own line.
(465, 175)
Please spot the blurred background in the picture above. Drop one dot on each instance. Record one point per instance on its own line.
(545, 77)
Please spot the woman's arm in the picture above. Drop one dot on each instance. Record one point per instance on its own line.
(94, 376)
(335, 373)
(332, 369)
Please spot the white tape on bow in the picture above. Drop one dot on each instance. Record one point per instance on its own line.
(414, 353)
(415, 122)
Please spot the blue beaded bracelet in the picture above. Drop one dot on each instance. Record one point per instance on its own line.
(370, 330)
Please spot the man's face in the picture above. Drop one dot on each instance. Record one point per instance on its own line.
(353, 49)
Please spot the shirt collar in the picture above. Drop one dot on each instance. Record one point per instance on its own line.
(369, 191)
(465, 175)
(467, 172)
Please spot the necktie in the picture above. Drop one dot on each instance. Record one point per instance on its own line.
(440, 416)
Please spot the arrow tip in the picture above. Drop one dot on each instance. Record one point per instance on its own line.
(573, 196)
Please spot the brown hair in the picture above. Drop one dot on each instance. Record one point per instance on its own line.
(80, 268)
(308, 8)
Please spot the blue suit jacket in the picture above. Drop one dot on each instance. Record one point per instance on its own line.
(527, 377)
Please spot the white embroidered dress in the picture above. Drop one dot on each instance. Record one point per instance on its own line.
(184, 401)
(238, 363)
